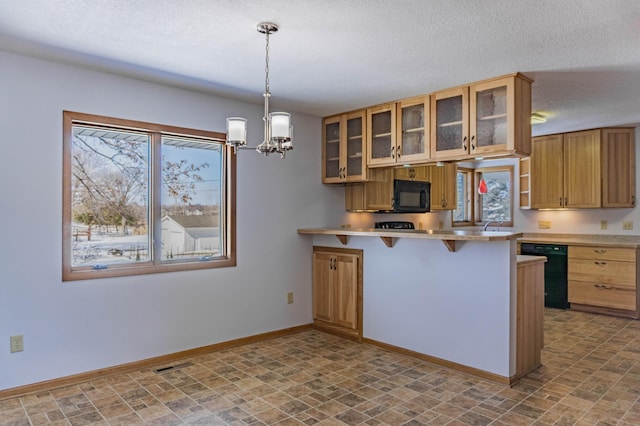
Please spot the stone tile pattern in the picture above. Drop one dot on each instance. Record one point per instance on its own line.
(590, 376)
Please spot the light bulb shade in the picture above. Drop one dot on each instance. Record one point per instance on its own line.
(280, 126)
(236, 131)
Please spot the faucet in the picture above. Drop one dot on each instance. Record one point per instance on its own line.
(486, 225)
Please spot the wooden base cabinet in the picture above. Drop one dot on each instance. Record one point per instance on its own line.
(530, 315)
(337, 291)
(603, 280)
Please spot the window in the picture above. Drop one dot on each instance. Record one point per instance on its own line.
(144, 198)
(463, 214)
(496, 205)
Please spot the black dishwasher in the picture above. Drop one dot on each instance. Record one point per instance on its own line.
(555, 272)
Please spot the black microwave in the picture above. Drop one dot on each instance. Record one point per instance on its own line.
(410, 196)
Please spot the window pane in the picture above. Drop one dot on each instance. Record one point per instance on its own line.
(192, 196)
(496, 203)
(461, 213)
(109, 204)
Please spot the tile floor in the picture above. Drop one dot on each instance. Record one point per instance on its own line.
(590, 376)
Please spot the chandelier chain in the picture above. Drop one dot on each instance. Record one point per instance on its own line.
(266, 68)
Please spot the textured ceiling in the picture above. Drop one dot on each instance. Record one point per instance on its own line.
(332, 56)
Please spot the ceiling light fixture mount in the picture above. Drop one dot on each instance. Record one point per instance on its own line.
(277, 125)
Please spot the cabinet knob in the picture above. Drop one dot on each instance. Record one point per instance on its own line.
(560, 201)
(600, 251)
(399, 151)
(473, 145)
(464, 143)
(392, 154)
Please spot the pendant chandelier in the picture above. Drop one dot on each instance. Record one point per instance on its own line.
(277, 125)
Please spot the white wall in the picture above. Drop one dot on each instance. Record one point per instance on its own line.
(74, 327)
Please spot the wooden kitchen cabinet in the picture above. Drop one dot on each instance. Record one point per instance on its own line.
(399, 132)
(443, 186)
(381, 135)
(586, 169)
(603, 279)
(530, 314)
(618, 167)
(487, 118)
(417, 173)
(344, 148)
(337, 291)
(450, 124)
(547, 172)
(413, 130)
(375, 194)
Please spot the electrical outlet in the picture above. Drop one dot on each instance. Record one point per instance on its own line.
(440, 224)
(290, 297)
(603, 224)
(345, 225)
(627, 226)
(17, 343)
(544, 224)
(420, 226)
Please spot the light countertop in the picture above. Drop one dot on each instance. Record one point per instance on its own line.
(628, 241)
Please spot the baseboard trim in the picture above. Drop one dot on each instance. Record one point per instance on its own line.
(146, 363)
(443, 362)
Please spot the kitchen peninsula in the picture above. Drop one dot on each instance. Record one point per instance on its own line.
(455, 304)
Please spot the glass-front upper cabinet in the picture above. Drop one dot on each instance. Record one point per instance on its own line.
(500, 112)
(381, 137)
(343, 148)
(413, 130)
(484, 118)
(450, 123)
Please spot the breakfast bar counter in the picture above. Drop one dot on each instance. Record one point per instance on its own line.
(456, 306)
(448, 237)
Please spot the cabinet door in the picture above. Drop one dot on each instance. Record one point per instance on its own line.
(378, 190)
(492, 115)
(332, 169)
(618, 168)
(450, 123)
(443, 186)
(323, 271)
(413, 130)
(546, 172)
(582, 185)
(381, 135)
(346, 291)
(418, 173)
(354, 147)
